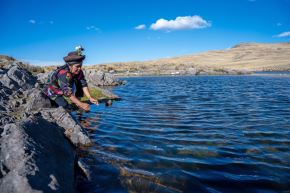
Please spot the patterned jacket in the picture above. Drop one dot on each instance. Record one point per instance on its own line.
(62, 83)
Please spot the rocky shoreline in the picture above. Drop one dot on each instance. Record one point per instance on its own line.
(38, 143)
(169, 70)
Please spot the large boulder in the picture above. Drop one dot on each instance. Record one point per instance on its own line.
(37, 143)
(4, 93)
(15, 77)
(43, 77)
(36, 101)
(99, 78)
(72, 130)
(35, 157)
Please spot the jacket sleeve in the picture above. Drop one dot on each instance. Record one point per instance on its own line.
(81, 78)
(65, 82)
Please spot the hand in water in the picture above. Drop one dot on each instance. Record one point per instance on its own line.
(94, 101)
(85, 106)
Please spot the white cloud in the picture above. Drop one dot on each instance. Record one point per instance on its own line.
(32, 21)
(92, 27)
(140, 27)
(181, 23)
(284, 34)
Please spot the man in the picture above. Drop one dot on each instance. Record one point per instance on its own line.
(69, 81)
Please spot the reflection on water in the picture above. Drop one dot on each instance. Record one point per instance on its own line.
(191, 134)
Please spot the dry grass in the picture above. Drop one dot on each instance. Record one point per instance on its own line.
(6, 60)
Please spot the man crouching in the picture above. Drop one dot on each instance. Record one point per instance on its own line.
(69, 80)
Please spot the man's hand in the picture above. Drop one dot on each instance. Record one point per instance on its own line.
(87, 93)
(94, 101)
(84, 106)
(80, 104)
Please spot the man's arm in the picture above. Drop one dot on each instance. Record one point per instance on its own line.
(65, 83)
(80, 104)
(87, 93)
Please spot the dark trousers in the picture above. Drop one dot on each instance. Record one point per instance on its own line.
(79, 93)
(60, 102)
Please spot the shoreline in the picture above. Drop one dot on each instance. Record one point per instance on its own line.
(259, 73)
(38, 143)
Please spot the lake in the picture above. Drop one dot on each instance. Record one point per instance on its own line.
(191, 134)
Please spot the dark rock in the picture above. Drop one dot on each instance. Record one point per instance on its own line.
(72, 130)
(15, 104)
(4, 92)
(84, 169)
(2, 108)
(43, 77)
(109, 103)
(37, 101)
(5, 119)
(17, 77)
(35, 157)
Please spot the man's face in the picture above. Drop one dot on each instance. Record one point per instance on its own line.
(76, 68)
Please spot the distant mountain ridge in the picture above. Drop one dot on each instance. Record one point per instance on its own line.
(241, 58)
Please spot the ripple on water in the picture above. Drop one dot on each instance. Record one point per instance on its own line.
(191, 134)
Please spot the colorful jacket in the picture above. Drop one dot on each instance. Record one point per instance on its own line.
(62, 83)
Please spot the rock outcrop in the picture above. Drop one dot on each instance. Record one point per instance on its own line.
(36, 158)
(100, 78)
(37, 142)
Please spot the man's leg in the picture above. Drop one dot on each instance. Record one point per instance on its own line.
(60, 101)
(79, 90)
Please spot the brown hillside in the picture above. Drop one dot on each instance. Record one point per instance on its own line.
(242, 57)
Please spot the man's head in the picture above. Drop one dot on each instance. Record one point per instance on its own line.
(74, 60)
(75, 68)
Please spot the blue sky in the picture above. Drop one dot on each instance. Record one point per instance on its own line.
(43, 31)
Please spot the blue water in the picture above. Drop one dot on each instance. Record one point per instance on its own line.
(191, 134)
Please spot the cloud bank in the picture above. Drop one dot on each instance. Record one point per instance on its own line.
(180, 23)
(284, 34)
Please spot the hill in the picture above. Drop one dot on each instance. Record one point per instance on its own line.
(242, 58)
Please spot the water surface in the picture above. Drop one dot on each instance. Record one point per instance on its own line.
(191, 134)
